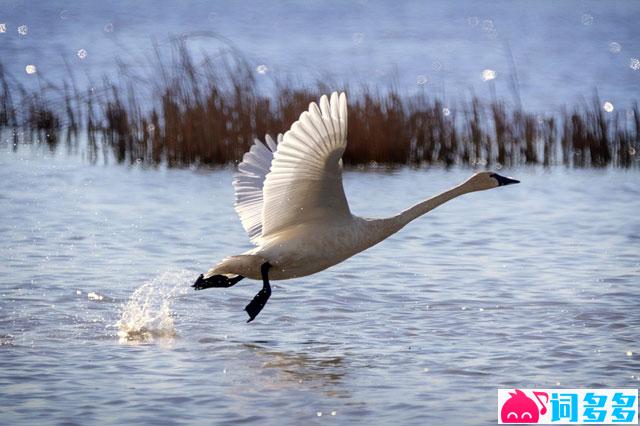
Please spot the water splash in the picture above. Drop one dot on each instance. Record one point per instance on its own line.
(147, 315)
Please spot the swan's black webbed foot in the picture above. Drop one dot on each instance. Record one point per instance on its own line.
(217, 281)
(259, 300)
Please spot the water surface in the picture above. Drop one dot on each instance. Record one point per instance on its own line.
(534, 285)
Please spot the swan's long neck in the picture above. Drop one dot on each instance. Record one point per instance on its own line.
(380, 229)
(424, 207)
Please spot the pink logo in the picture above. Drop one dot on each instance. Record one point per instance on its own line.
(519, 408)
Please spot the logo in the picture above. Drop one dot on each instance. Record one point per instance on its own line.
(568, 406)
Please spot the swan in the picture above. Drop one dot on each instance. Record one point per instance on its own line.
(291, 203)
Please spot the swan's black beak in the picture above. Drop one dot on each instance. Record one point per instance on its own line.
(502, 181)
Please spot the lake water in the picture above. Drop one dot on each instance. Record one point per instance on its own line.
(533, 285)
(562, 51)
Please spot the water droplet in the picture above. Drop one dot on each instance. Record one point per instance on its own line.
(421, 80)
(446, 112)
(151, 128)
(629, 353)
(224, 371)
(319, 414)
(607, 106)
(138, 160)
(464, 308)
(615, 47)
(82, 54)
(3, 27)
(586, 19)
(358, 38)
(632, 151)
(557, 383)
(426, 370)
(108, 27)
(473, 21)
(333, 413)
(78, 292)
(489, 74)
(30, 69)
(634, 64)
(262, 69)
(23, 30)
(64, 14)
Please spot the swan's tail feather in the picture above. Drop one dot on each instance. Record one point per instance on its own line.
(246, 265)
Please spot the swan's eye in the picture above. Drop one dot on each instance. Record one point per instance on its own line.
(511, 413)
(526, 413)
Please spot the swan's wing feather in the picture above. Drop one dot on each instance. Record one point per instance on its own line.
(248, 183)
(305, 180)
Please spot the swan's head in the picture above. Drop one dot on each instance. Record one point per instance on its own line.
(488, 180)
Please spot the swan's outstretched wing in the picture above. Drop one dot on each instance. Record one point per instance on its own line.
(248, 183)
(305, 181)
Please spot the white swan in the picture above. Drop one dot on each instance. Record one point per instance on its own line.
(290, 200)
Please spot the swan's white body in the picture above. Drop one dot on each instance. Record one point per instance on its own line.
(291, 202)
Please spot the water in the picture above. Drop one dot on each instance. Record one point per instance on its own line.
(534, 285)
(561, 50)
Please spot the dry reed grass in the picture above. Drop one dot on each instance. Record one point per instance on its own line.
(209, 113)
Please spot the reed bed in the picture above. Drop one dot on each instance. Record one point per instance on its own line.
(208, 112)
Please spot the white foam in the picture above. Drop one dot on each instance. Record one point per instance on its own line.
(148, 315)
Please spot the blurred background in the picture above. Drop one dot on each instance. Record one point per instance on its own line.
(121, 124)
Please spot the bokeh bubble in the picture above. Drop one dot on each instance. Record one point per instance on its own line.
(489, 74)
(586, 19)
(615, 47)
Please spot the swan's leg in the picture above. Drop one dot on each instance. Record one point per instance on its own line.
(218, 281)
(259, 300)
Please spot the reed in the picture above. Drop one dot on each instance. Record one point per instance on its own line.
(208, 112)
